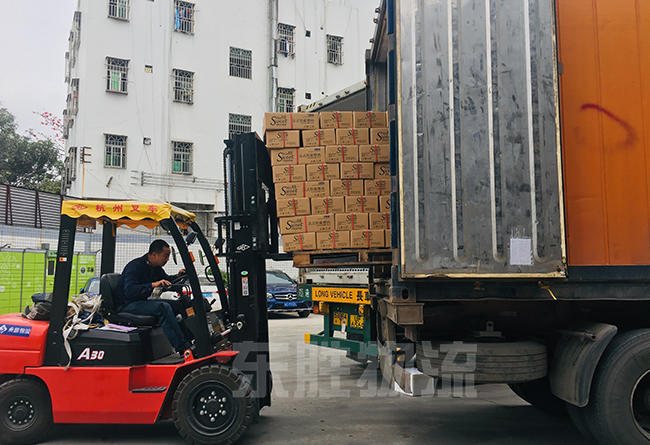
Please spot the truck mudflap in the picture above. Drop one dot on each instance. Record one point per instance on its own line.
(575, 359)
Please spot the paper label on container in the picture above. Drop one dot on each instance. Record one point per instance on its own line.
(521, 252)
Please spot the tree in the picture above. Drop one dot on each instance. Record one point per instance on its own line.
(27, 163)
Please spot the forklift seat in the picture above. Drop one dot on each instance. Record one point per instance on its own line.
(107, 285)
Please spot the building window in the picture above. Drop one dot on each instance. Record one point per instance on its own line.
(286, 40)
(335, 50)
(241, 61)
(183, 86)
(115, 148)
(71, 165)
(284, 101)
(183, 17)
(73, 97)
(117, 75)
(237, 124)
(182, 158)
(118, 9)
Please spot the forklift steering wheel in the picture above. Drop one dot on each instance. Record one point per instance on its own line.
(179, 279)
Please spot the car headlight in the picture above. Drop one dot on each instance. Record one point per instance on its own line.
(269, 296)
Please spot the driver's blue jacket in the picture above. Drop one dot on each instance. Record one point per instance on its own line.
(135, 282)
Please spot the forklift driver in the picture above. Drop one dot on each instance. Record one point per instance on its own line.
(135, 285)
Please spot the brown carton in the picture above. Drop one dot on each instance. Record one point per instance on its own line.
(320, 223)
(357, 170)
(329, 204)
(282, 139)
(352, 136)
(377, 187)
(293, 206)
(374, 153)
(336, 119)
(316, 138)
(365, 239)
(361, 204)
(370, 119)
(382, 171)
(379, 220)
(387, 238)
(293, 224)
(289, 173)
(346, 187)
(379, 136)
(384, 204)
(309, 189)
(341, 153)
(333, 240)
(285, 156)
(311, 155)
(290, 121)
(351, 221)
(299, 241)
(323, 172)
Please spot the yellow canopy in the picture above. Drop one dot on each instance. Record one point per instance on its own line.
(128, 213)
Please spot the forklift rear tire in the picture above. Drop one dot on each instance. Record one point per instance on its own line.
(303, 314)
(213, 405)
(25, 411)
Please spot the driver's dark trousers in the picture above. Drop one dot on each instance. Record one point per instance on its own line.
(166, 318)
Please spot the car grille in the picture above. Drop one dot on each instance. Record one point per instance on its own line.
(287, 296)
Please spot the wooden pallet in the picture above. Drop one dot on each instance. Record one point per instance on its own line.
(343, 258)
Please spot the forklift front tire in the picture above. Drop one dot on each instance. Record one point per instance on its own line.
(213, 405)
(25, 411)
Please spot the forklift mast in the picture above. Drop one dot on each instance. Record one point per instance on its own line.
(251, 237)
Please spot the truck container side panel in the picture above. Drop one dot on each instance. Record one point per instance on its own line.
(605, 97)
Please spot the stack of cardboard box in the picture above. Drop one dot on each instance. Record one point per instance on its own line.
(332, 181)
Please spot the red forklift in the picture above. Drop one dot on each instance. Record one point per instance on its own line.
(131, 375)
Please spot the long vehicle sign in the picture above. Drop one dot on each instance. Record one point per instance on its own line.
(340, 295)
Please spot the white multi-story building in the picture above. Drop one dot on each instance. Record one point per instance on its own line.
(156, 86)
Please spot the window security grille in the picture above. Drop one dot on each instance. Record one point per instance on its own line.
(237, 124)
(115, 149)
(73, 97)
(183, 17)
(183, 86)
(117, 75)
(118, 9)
(241, 61)
(286, 40)
(182, 158)
(284, 101)
(335, 50)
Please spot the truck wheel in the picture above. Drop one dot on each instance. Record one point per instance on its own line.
(538, 393)
(25, 411)
(213, 405)
(303, 314)
(619, 404)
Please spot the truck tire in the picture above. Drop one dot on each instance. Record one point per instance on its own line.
(25, 411)
(618, 411)
(213, 405)
(303, 314)
(488, 362)
(538, 393)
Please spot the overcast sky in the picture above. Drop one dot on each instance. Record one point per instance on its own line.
(34, 36)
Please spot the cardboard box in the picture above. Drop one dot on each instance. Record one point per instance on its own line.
(320, 223)
(293, 206)
(351, 221)
(300, 241)
(289, 173)
(282, 139)
(387, 240)
(333, 240)
(384, 204)
(382, 171)
(365, 239)
(317, 138)
(329, 204)
(347, 187)
(379, 220)
(290, 121)
(311, 155)
(336, 119)
(286, 156)
(374, 153)
(370, 119)
(293, 224)
(323, 172)
(377, 187)
(379, 136)
(342, 153)
(361, 204)
(352, 136)
(357, 170)
(309, 189)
